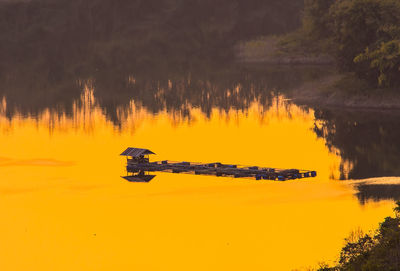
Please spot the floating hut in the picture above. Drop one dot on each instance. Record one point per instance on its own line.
(136, 155)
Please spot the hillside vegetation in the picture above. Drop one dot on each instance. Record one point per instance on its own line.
(362, 35)
(62, 33)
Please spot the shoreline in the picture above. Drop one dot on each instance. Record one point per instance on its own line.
(336, 90)
(265, 51)
(323, 93)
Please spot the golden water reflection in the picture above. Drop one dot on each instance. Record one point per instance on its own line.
(63, 205)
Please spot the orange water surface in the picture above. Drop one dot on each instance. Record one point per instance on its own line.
(64, 205)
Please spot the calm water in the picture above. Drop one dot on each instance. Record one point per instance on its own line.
(64, 205)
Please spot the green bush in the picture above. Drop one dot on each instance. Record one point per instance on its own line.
(363, 35)
(386, 59)
(373, 253)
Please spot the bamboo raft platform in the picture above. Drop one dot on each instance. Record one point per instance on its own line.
(138, 163)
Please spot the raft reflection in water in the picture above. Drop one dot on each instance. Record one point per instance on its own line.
(140, 177)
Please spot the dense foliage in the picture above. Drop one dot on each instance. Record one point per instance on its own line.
(110, 32)
(364, 35)
(378, 252)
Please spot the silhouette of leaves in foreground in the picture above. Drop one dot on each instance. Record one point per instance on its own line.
(367, 252)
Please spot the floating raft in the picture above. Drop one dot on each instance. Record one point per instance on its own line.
(138, 162)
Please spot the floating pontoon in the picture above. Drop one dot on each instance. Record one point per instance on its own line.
(138, 163)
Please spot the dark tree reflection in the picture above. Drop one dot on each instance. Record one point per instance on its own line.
(377, 192)
(369, 140)
(203, 86)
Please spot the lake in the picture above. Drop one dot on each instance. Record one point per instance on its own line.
(64, 205)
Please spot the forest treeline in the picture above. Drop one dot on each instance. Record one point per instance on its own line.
(377, 252)
(144, 32)
(363, 36)
(62, 37)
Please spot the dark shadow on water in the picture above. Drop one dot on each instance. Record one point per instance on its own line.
(377, 192)
(204, 85)
(368, 140)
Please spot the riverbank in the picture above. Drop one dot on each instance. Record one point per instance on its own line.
(344, 90)
(334, 90)
(266, 50)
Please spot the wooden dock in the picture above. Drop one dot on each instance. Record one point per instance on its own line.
(138, 165)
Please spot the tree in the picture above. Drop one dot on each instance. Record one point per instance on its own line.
(366, 34)
(373, 253)
(385, 59)
(316, 19)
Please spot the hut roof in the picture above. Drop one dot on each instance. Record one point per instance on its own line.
(136, 152)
